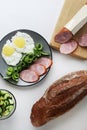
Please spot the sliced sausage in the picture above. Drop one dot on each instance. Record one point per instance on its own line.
(47, 62)
(68, 47)
(63, 36)
(29, 76)
(38, 68)
(83, 40)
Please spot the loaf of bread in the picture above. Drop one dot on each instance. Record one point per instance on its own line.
(60, 97)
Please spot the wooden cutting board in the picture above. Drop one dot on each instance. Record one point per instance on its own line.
(69, 9)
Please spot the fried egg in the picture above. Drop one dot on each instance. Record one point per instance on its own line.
(22, 42)
(9, 54)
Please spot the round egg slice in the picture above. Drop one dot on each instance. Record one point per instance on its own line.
(22, 42)
(9, 54)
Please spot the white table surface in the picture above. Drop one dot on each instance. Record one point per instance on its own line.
(40, 16)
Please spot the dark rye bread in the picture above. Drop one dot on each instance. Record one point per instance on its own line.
(60, 97)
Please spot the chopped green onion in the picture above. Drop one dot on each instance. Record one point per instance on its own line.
(44, 53)
(39, 47)
(15, 76)
(10, 69)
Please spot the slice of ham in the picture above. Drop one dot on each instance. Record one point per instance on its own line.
(68, 47)
(29, 76)
(47, 62)
(73, 26)
(83, 40)
(63, 36)
(38, 68)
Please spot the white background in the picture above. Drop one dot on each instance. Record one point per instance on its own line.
(40, 16)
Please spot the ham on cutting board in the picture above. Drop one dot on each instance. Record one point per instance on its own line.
(70, 8)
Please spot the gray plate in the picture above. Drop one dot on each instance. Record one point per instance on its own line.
(37, 39)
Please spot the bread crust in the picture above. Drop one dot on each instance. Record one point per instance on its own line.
(60, 97)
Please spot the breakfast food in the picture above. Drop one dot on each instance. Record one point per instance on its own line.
(22, 42)
(69, 47)
(35, 70)
(60, 97)
(47, 62)
(38, 68)
(10, 55)
(29, 76)
(13, 49)
(13, 72)
(83, 40)
(20, 52)
(7, 104)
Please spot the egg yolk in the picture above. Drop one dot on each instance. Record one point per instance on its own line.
(19, 42)
(8, 50)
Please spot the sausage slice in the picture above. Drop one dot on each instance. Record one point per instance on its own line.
(68, 47)
(47, 62)
(83, 40)
(38, 68)
(29, 76)
(63, 36)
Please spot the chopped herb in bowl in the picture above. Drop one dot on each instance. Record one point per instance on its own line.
(7, 104)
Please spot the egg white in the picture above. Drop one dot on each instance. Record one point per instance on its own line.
(14, 58)
(29, 42)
